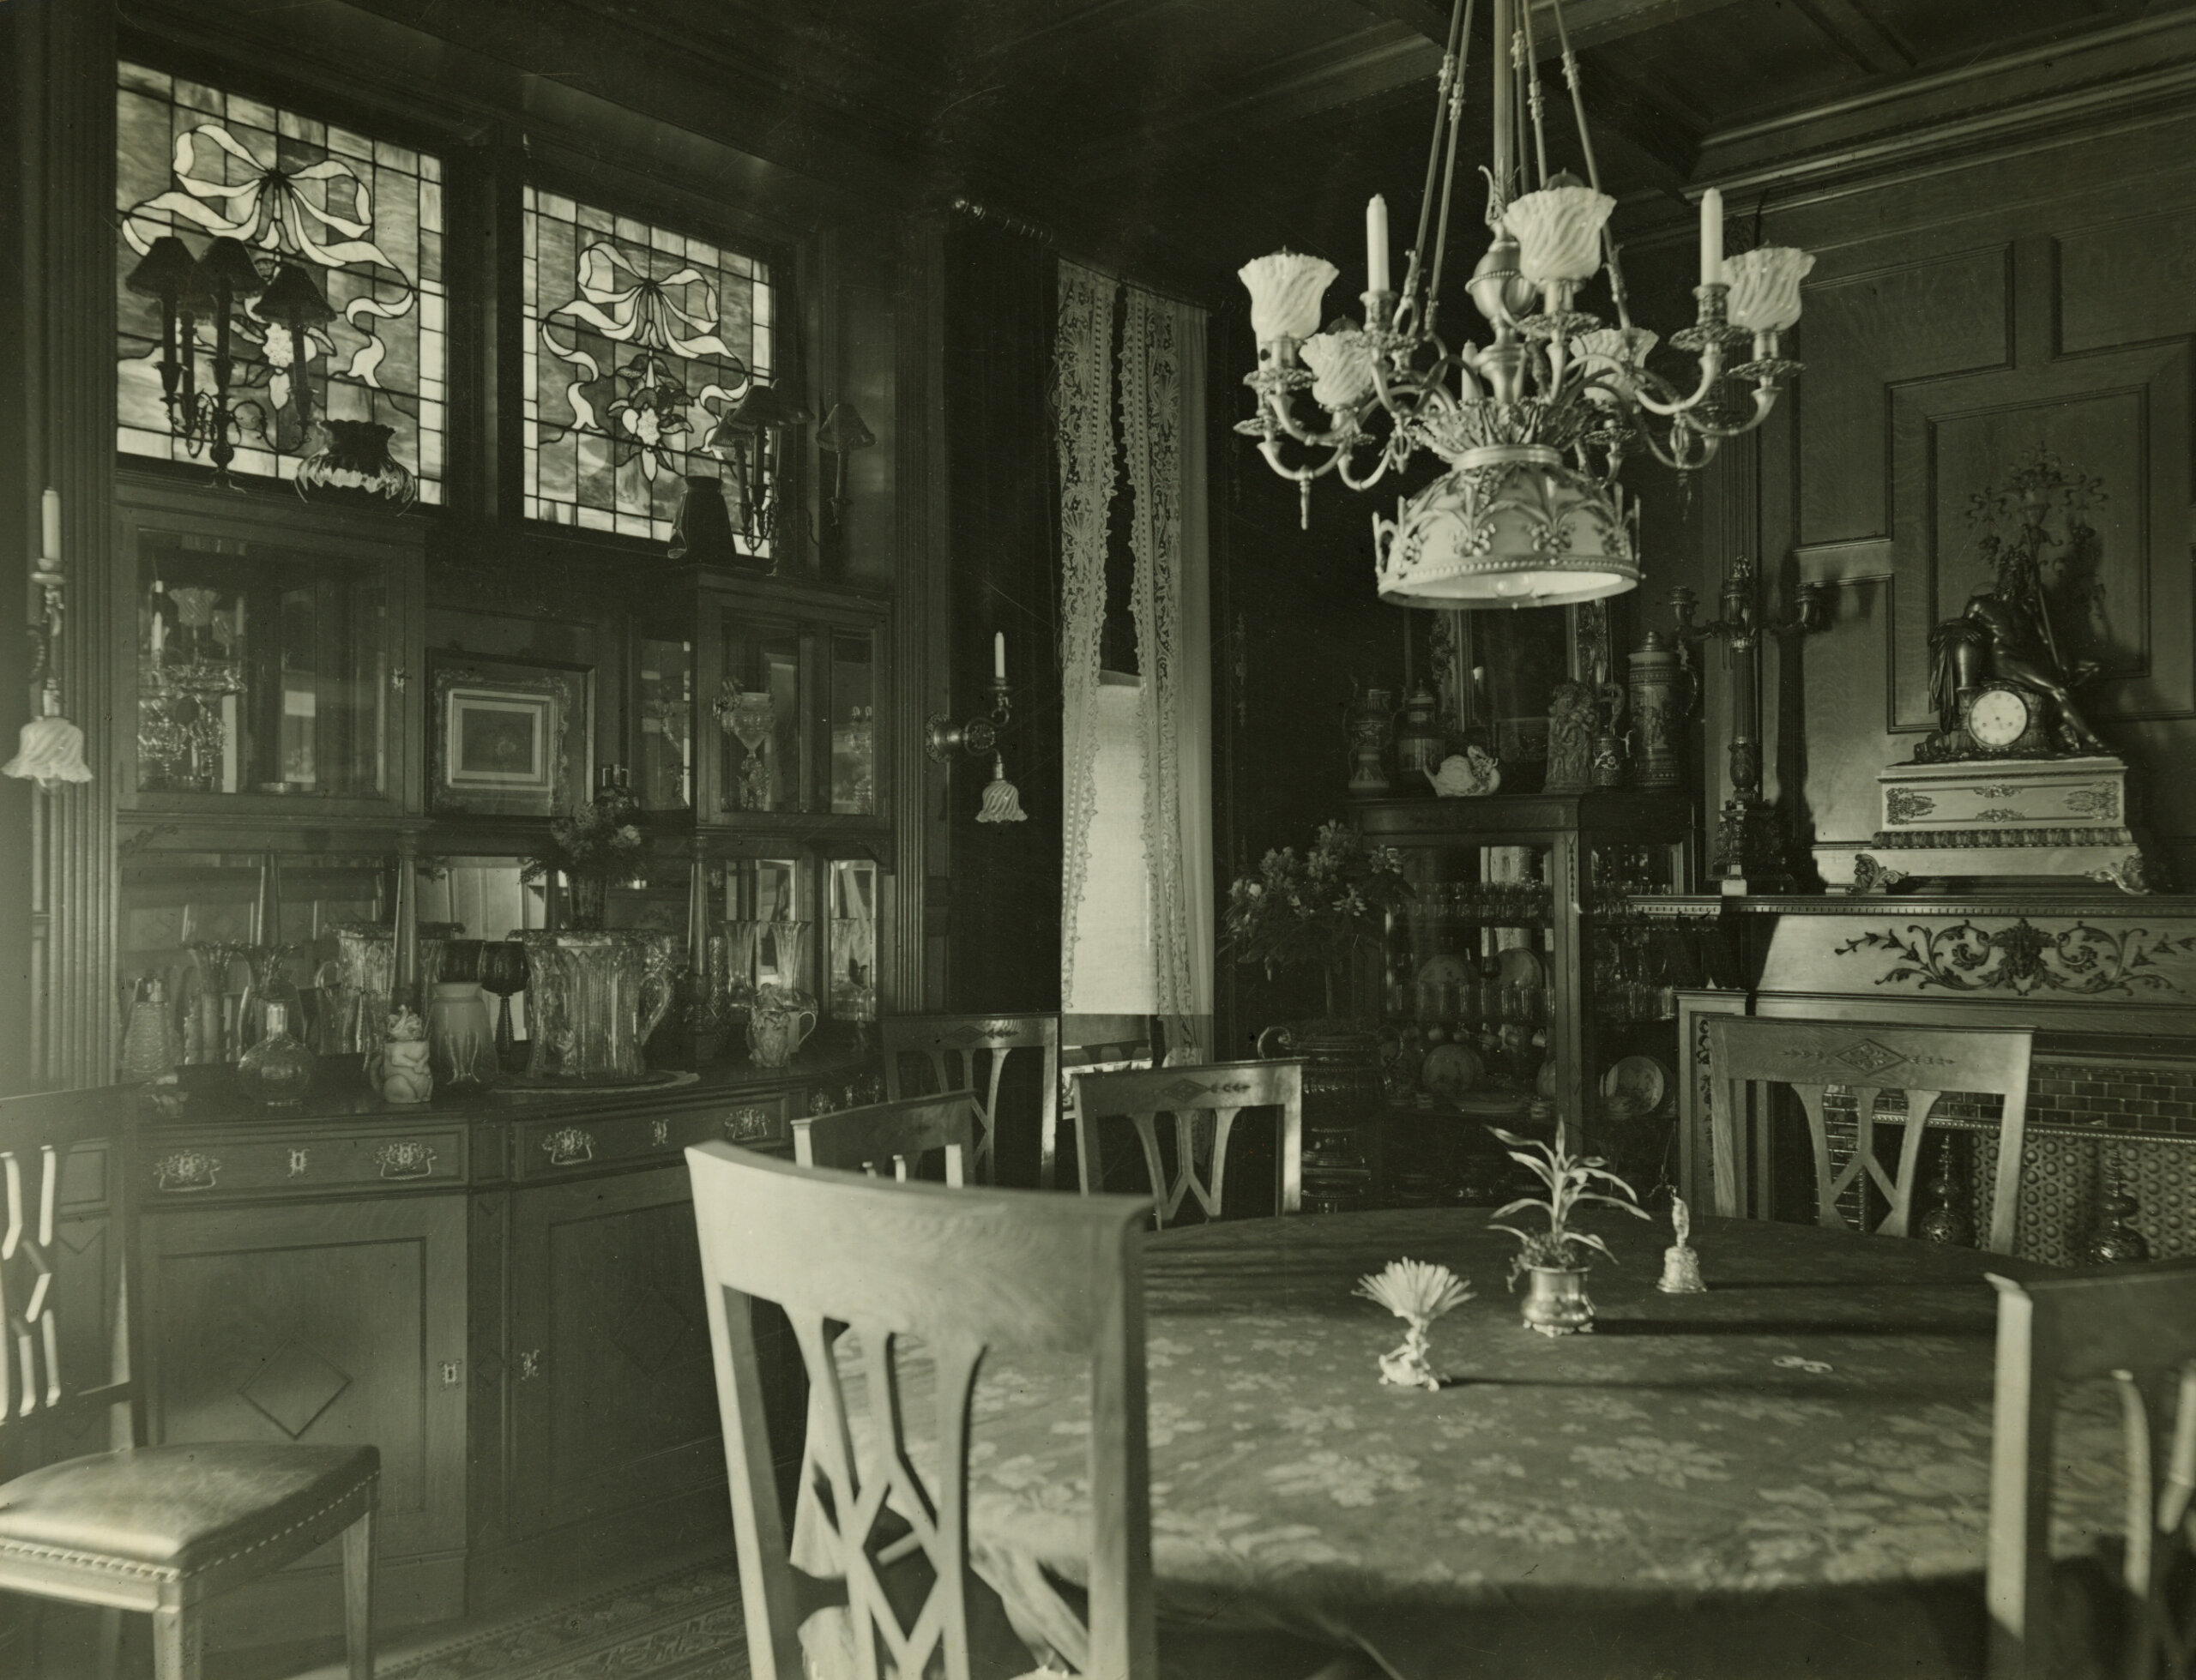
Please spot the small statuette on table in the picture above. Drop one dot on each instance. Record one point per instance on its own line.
(1680, 1262)
(399, 1069)
(1417, 1294)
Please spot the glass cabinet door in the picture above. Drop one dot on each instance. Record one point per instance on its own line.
(264, 675)
(758, 712)
(853, 723)
(665, 668)
(850, 980)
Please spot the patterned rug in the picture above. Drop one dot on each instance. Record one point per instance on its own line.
(684, 1625)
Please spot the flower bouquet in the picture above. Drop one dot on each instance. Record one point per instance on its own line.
(1317, 910)
(601, 843)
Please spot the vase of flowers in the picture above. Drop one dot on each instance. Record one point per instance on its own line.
(1324, 909)
(601, 843)
(1553, 1261)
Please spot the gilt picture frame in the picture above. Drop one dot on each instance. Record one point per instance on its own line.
(509, 736)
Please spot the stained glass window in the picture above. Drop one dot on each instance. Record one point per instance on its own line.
(334, 224)
(639, 341)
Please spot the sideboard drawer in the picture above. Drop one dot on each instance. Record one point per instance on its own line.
(432, 1157)
(547, 1148)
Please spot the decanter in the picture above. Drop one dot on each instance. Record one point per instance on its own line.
(277, 1068)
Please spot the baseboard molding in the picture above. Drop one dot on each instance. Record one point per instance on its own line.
(582, 1552)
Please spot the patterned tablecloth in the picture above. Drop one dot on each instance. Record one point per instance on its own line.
(1786, 1474)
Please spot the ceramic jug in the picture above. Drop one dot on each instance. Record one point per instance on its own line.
(1420, 741)
(774, 1024)
(1371, 721)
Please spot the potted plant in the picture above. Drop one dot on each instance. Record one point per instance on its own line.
(1554, 1260)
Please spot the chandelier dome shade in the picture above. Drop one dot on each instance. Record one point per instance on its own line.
(1510, 525)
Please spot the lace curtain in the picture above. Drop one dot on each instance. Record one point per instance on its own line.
(1161, 365)
(1082, 372)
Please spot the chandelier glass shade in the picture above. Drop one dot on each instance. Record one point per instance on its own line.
(1534, 425)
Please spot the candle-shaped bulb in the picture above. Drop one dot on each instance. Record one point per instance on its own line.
(1376, 244)
(50, 526)
(999, 655)
(1711, 237)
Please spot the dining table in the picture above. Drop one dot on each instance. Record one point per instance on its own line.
(1787, 1474)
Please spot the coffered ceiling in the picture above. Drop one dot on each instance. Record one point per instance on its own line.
(1176, 138)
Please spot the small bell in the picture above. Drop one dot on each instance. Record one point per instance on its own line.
(1680, 1263)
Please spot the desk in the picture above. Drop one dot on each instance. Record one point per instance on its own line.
(1638, 1500)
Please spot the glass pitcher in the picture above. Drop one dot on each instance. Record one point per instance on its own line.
(614, 998)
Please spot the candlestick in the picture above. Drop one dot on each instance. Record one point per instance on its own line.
(1711, 237)
(1376, 243)
(999, 655)
(49, 525)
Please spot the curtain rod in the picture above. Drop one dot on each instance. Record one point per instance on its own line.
(1011, 223)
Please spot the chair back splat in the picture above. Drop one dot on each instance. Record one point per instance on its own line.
(866, 1140)
(1214, 1094)
(1747, 1054)
(964, 1272)
(970, 1053)
(2136, 1325)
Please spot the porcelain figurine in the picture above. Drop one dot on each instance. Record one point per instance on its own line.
(399, 1068)
(1680, 1263)
(1467, 775)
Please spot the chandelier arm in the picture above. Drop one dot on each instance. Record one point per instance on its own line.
(1379, 472)
(1332, 438)
(1452, 77)
(1676, 458)
(1711, 370)
(1270, 448)
(1449, 168)
(1764, 399)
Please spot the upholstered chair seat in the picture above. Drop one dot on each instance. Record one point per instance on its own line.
(182, 1513)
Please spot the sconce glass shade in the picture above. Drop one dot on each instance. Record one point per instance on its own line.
(702, 533)
(228, 263)
(843, 430)
(50, 752)
(1558, 233)
(1342, 368)
(1510, 526)
(1002, 798)
(1765, 287)
(1285, 290)
(294, 300)
(355, 457)
(763, 406)
(168, 271)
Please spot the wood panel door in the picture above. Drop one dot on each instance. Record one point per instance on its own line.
(614, 1399)
(331, 1324)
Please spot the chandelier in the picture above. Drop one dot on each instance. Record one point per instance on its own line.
(1536, 424)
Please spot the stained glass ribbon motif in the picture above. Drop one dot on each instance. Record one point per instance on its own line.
(624, 304)
(271, 208)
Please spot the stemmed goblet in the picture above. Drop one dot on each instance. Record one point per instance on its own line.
(503, 971)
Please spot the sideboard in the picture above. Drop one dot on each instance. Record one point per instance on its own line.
(503, 1294)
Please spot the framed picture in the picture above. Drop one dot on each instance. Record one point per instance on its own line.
(510, 736)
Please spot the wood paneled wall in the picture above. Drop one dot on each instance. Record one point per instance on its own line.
(1961, 313)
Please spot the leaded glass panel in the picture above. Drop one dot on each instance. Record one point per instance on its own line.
(639, 341)
(359, 217)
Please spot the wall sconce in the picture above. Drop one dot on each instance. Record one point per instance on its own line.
(188, 289)
(979, 738)
(842, 433)
(51, 750)
(1749, 848)
(748, 440)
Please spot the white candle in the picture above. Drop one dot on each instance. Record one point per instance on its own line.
(999, 655)
(1376, 244)
(49, 525)
(1711, 237)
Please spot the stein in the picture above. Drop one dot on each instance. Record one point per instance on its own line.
(1661, 694)
(1371, 722)
(774, 1028)
(1420, 741)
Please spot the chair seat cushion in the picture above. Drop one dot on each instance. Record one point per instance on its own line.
(175, 1511)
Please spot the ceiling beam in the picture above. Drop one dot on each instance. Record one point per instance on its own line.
(1858, 36)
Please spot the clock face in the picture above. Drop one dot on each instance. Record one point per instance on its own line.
(1998, 718)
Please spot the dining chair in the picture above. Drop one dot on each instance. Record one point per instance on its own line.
(153, 1529)
(859, 1140)
(966, 1271)
(1220, 1090)
(953, 1044)
(2139, 1326)
(1748, 1051)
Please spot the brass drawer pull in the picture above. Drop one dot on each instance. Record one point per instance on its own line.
(747, 1125)
(408, 1159)
(529, 1363)
(659, 1132)
(569, 1146)
(187, 1169)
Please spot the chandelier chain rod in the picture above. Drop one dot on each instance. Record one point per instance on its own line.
(1432, 316)
(1452, 72)
(1535, 100)
(1618, 293)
